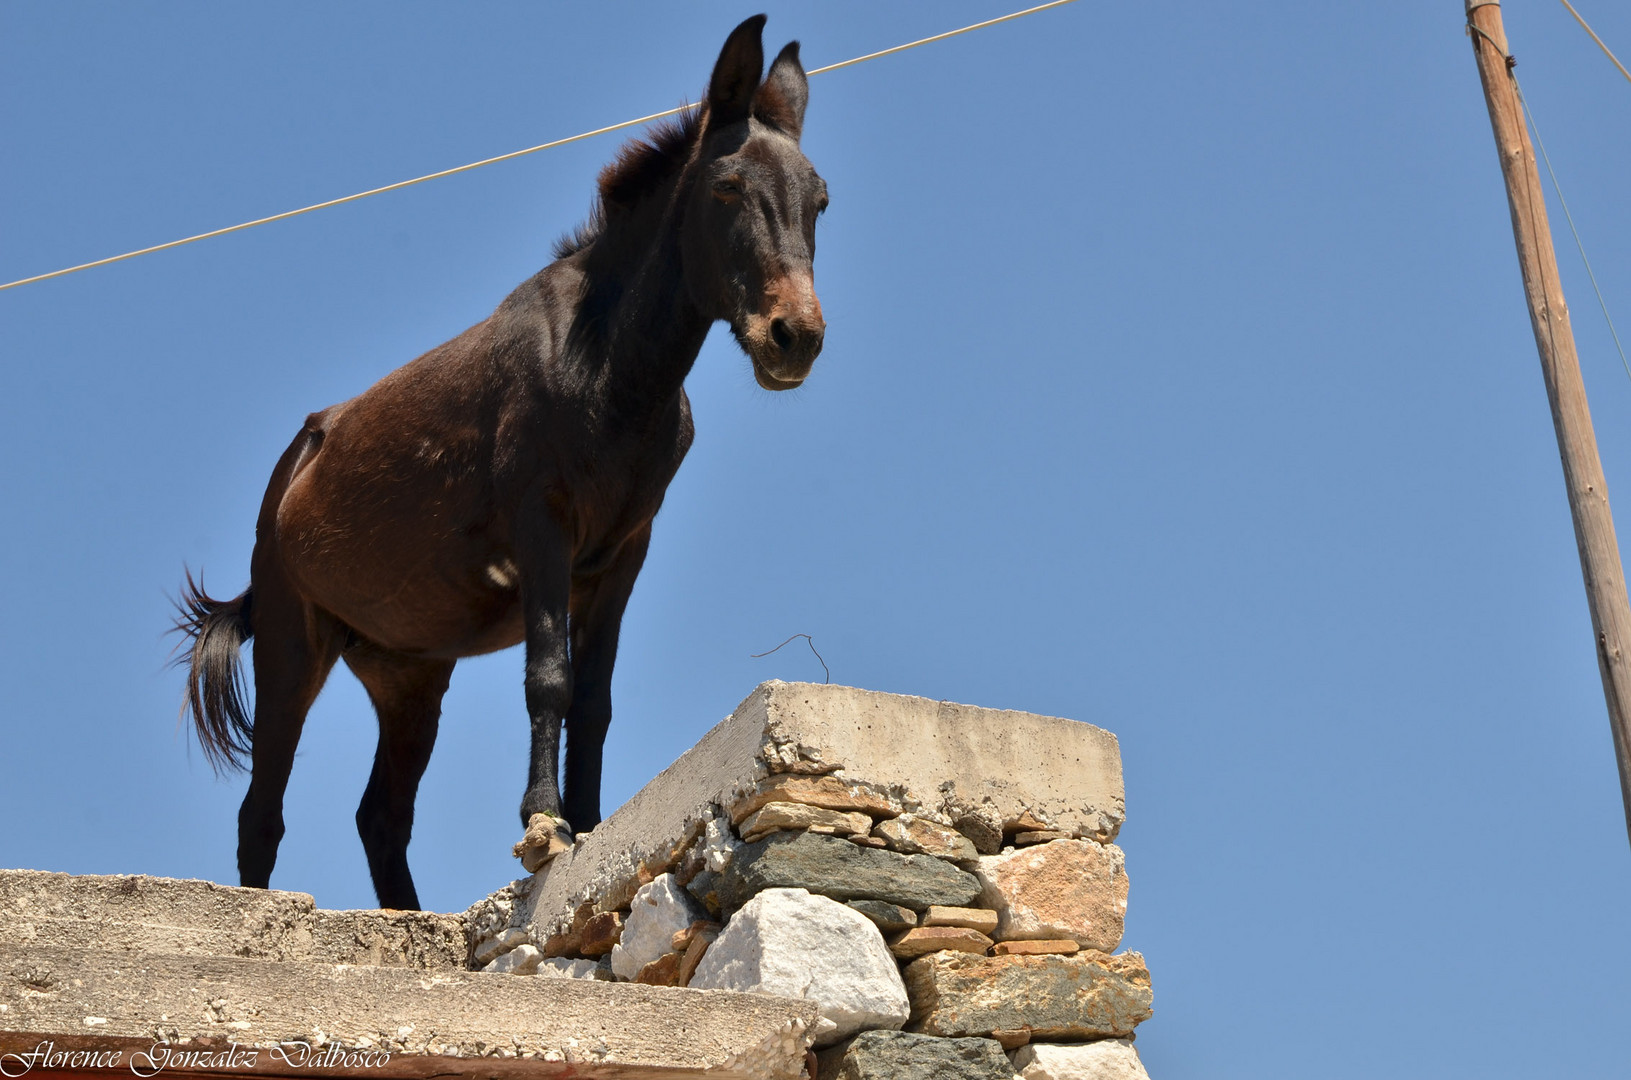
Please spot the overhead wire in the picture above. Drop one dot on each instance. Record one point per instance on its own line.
(509, 156)
(1529, 115)
(1567, 216)
(1587, 28)
(1540, 143)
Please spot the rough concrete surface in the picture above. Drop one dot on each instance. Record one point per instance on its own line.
(1066, 772)
(417, 939)
(137, 913)
(952, 759)
(432, 1024)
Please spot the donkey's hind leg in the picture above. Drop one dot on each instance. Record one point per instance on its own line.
(407, 694)
(295, 649)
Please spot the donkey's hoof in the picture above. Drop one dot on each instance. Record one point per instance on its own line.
(546, 838)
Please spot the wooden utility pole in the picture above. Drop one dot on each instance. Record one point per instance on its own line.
(1576, 442)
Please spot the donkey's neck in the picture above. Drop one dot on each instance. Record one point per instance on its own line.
(643, 331)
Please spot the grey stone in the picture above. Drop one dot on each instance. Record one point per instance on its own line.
(844, 871)
(792, 943)
(1107, 1059)
(900, 1055)
(704, 889)
(891, 918)
(455, 1023)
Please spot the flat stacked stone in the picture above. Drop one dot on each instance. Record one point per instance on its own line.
(1107, 1059)
(1090, 995)
(844, 871)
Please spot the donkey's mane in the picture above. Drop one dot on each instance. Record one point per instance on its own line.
(642, 167)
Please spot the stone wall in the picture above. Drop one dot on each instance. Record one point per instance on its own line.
(831, 883)
(940, 880)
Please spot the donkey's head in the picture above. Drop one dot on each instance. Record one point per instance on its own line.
(750, 214)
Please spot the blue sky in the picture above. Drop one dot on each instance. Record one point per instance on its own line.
(1177, 380)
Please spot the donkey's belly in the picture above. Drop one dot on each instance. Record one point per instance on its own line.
(407, 573)
(422, 609)
(429, 618)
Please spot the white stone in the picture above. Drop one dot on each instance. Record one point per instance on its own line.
(794, 944)
(1108, 1059)
(718, 844)
(501, 943)
(559, 967)
(659, 910)
(521, 960)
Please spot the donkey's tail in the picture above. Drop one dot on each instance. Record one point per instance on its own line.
(215, 683)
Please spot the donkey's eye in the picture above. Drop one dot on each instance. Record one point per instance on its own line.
(729, 189)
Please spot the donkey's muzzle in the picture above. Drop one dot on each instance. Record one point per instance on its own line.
(785, 341)
(797, 342)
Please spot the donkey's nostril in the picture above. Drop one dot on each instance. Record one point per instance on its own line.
(781, 334)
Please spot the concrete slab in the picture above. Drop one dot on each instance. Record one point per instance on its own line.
(393, 1022)
(937, 759)
(138, 913)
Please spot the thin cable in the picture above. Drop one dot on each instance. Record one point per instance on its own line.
(1570, 219)
(1587, 28)
(344, 199)
(808, 641)
(941, 37)
(503, 157)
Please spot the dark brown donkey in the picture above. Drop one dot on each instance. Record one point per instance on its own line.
(500, 489)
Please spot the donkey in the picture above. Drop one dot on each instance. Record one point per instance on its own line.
(500, 488)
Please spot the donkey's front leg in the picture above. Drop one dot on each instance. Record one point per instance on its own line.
(597, 614)
(545, 589)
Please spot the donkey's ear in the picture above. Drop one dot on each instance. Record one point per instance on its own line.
(780, 101)
(736, 74)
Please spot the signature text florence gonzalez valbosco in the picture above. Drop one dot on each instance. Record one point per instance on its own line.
(160, 1056)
